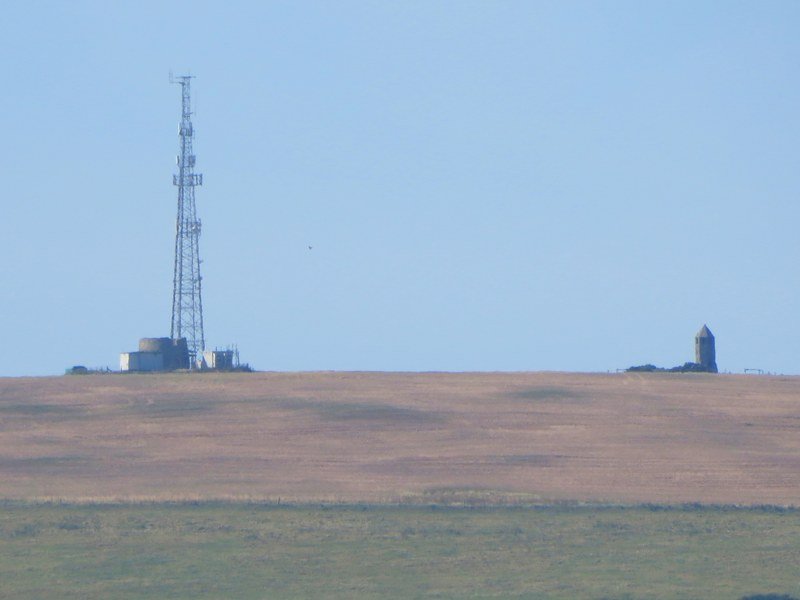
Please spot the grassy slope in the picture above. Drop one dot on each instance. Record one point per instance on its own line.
(385, 436)
(482, 438)
(241, 551)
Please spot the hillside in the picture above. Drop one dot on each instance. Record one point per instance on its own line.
(500, 437)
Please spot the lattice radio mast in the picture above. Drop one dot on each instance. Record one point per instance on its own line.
(187, 304)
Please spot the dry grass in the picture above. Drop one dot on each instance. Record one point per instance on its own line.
(373, 437)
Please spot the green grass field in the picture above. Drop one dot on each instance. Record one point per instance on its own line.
(266, 551)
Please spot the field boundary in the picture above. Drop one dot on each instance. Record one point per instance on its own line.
(278, 504)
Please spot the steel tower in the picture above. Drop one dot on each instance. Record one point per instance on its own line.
(187, 304)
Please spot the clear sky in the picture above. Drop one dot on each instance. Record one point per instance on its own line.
(493, 185)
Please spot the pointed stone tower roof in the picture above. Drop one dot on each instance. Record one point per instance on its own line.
(705, 332)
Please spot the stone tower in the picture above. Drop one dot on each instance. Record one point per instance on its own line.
(705, 353)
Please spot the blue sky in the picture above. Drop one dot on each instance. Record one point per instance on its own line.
(498, 185)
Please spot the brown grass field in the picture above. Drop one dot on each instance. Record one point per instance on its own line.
(397, 437)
